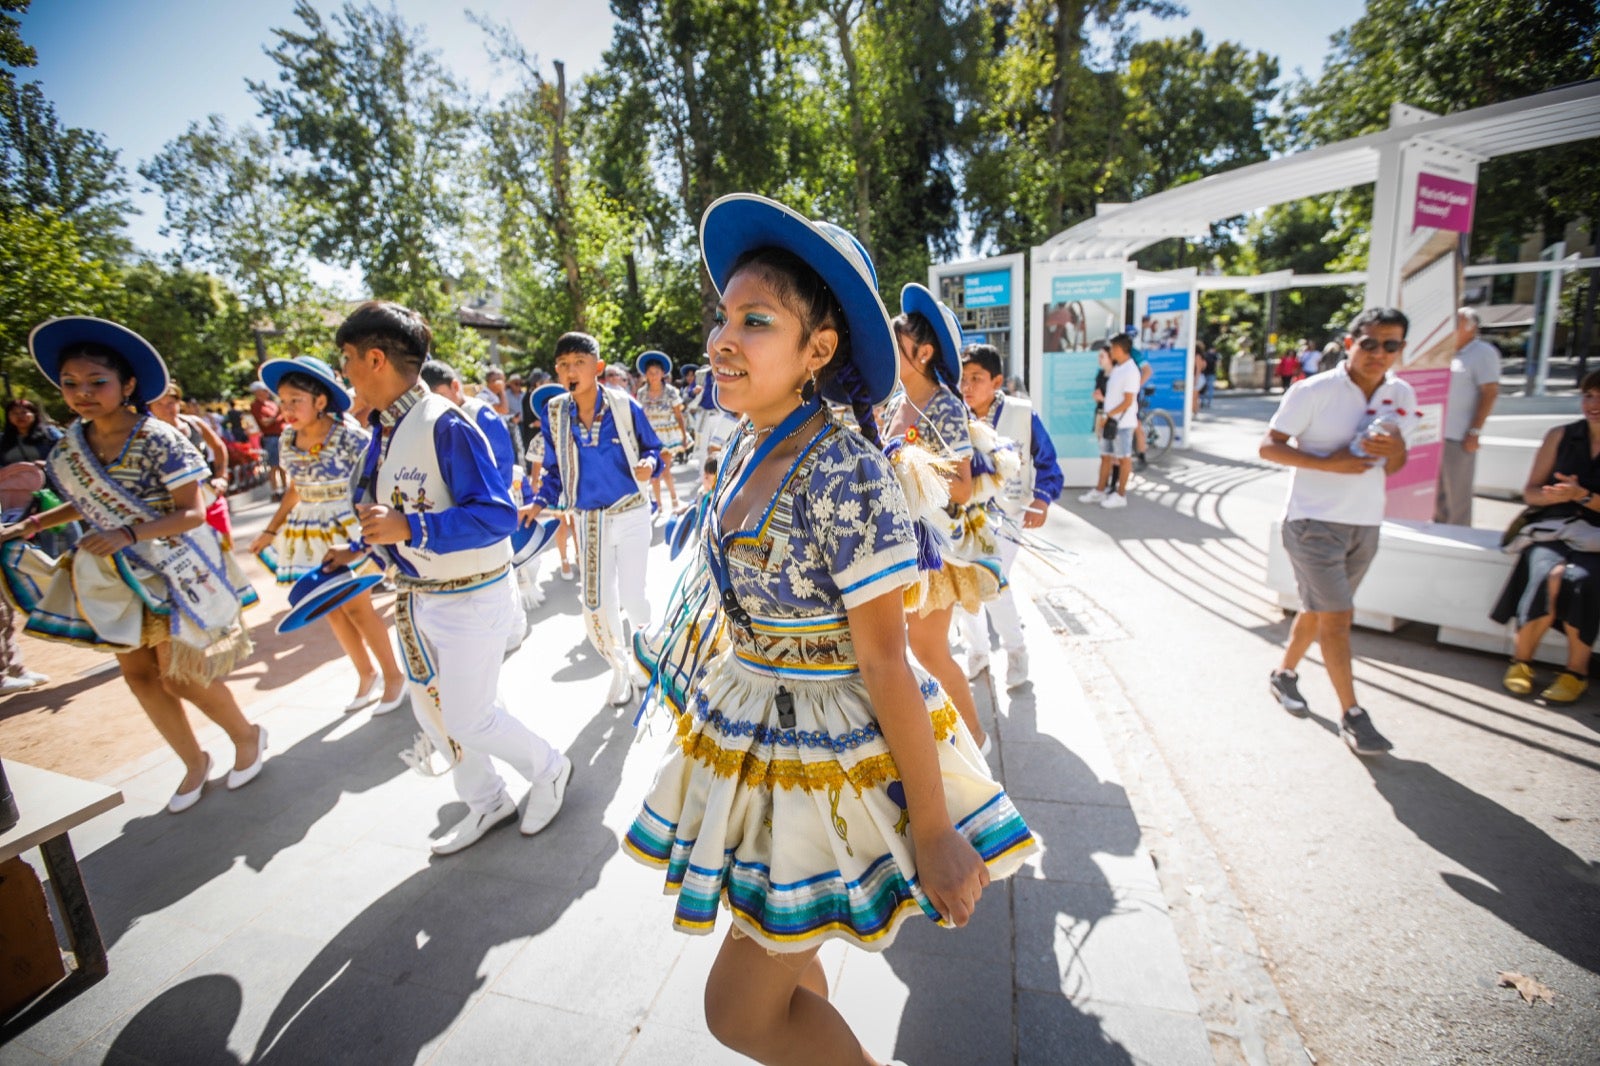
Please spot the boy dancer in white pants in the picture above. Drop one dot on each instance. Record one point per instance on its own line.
(1025, 499)
(433, 505)
(598, 448)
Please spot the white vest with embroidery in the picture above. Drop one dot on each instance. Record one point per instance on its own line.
(1016, 424)
(410, 480)
(562, 410)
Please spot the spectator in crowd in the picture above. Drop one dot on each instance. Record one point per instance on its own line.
(28, 435)
(269, 421)
(1116, 437)
(1288, 368)
(1310, 358)
(1335, 505)
(1474, 387)
(1332, 352)
(1558, 580)
(1208, 387)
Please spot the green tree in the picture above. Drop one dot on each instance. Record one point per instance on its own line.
(228, 209)
(48, 273)
(1045, 133)
(195, 321)
(376, 128)
(1450, 55)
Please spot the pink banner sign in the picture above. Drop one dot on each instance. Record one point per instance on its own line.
(1443, 203)
(1410, 492)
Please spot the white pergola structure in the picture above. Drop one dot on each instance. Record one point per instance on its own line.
(1118, 231)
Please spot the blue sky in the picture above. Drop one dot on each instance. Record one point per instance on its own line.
(139, 71)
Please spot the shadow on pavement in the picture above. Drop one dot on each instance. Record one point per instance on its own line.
(1535, 884)
(188, 1023)
(160, 859)
(961, 982)
(399, 974)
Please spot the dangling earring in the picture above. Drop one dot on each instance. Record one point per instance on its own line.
(808, 391)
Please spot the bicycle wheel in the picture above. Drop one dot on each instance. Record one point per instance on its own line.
(1159, 433)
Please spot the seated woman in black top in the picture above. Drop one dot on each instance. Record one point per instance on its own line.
(1554, 581)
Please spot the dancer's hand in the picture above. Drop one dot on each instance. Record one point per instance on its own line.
(104, 543)
(1034, 516)
(13, 532)
(338, 557)
(952, 874)
(383, 525)
(262, 542)
(527, 516)
(644, 470)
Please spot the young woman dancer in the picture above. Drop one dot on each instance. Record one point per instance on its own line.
(663, 405)
(319, 450)
(928, 412)
(817, 786)
(149, 581)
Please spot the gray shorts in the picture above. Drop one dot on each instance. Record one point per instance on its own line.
(1120, 446)
(1329, 560)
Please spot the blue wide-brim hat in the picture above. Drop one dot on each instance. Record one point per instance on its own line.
(49, 339)
(742, 222)
(680, 531)
(542, 397)
(947, 358)
(320, 592)
(274, 370)
(661, 359)
(530, 540)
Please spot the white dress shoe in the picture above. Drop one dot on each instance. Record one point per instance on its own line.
(182, 801)
(372, 694)
(471, 829)
(567, 572)
(241, 778)
(544, 799)
(385, 706)
(1016, 667)
(33, 677)
(987, 746)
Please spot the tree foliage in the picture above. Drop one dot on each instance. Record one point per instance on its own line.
(375, 126)
(197, 323)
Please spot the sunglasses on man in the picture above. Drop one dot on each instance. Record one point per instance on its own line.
(1371, 344)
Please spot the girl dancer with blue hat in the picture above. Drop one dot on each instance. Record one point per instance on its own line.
(816, 786)
(663, 405)
(150, 582)
(930, 414)
(320, 450)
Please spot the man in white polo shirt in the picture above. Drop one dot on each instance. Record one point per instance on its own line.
(1336, 499)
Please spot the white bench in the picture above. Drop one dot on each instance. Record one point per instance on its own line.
(1447, 576)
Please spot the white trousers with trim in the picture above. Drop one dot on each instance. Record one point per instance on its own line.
(468, 632)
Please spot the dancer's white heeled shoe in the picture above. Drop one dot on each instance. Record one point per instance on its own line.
(182, 801)
(372, 694)
(241, 778)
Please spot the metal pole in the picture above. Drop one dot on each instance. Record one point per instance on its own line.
(1586, 327)
(1547, 327)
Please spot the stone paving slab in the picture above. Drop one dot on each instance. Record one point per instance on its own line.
(303, 919)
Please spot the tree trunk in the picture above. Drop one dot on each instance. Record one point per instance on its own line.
(560, 181)
(1069, 20)
(842, 20)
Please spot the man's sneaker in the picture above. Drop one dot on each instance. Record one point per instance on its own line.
(471, 829)
(1016, 668)
(1285, 688)
(1092, 496)
(1113, 501)
(1362, 736)
(544, 799)
(976, 665)
(10, 685)
(1143, 462)
(33, 677)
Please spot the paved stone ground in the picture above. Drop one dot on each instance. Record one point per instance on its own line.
(304, 920)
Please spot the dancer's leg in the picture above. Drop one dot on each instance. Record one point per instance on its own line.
(765, 1006)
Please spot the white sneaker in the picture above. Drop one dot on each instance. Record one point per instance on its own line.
(976, 664)
(621, 687)
(11, 685)
(1115, 500)
(544, 799)
(1016, 667)
(1092, 496)
(33, 677)
(471, 829)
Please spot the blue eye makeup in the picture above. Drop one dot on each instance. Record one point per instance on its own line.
(755, 319)
(720, 318)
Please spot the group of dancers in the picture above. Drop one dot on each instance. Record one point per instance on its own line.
(817, 785)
